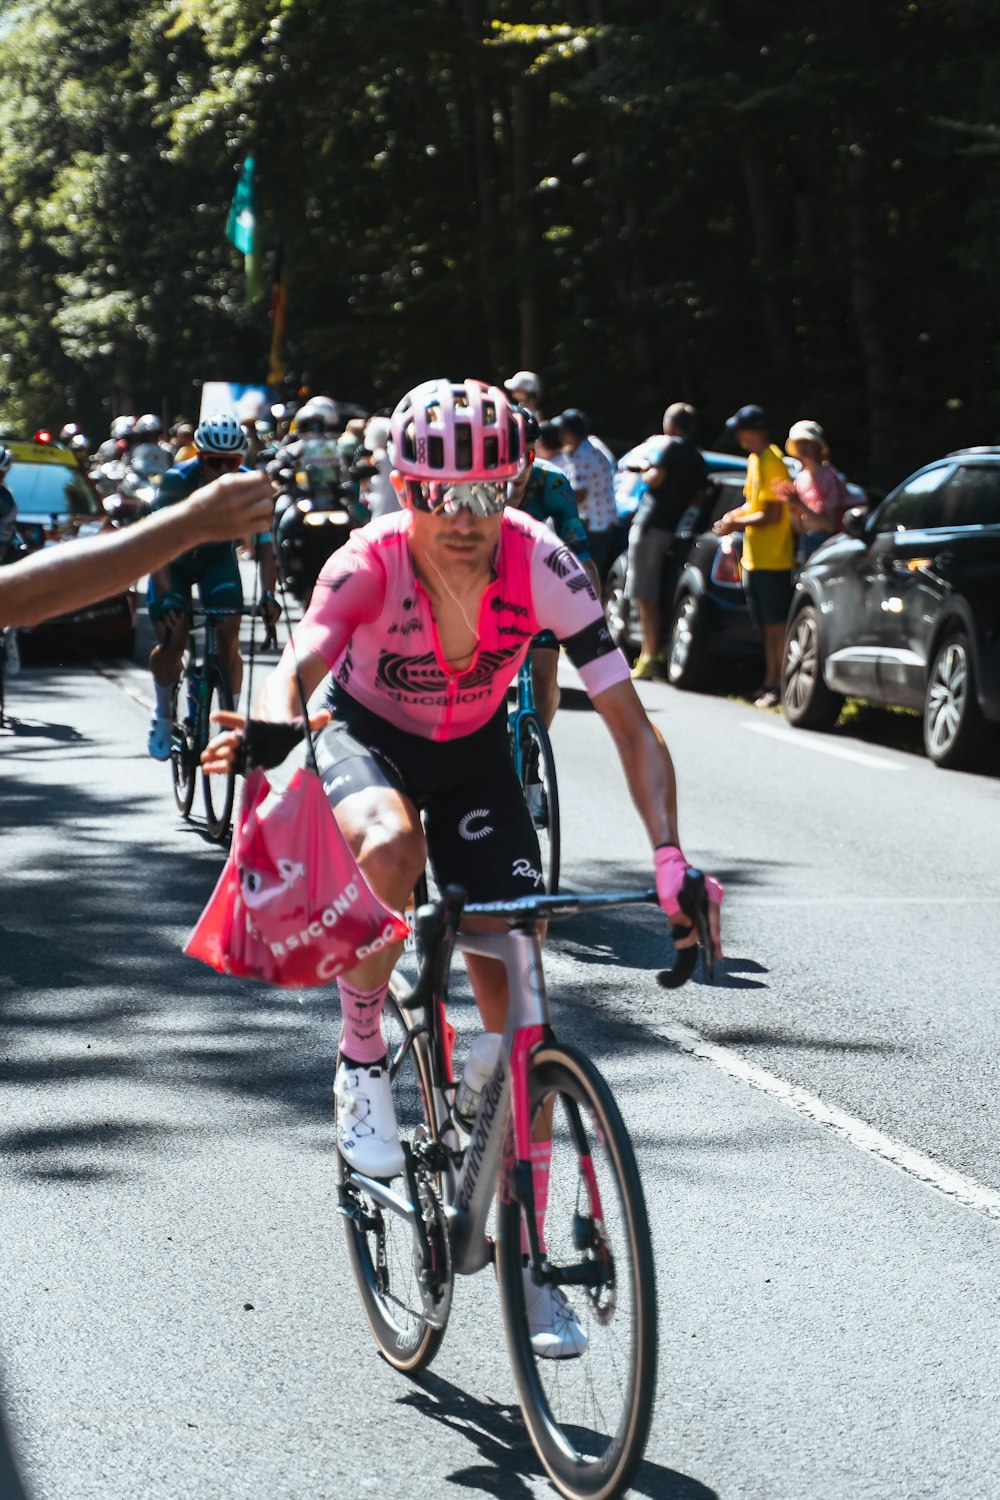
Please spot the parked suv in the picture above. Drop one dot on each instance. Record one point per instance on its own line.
(903, 609)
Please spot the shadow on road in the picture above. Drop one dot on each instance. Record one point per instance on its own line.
(498, 1434)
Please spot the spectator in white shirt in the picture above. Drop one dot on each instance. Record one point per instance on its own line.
(593, 479)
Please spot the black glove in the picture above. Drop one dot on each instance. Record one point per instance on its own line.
(267, 745)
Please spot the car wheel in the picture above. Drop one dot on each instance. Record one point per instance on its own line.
(617, 609)
(955, 732)
(686, 652)
(806, 700)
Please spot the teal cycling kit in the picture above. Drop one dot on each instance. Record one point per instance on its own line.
(549, 498)
(212, 566)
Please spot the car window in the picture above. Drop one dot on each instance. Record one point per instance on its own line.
(51, 489)
(974, 496)
(917, 503)
(722, 497)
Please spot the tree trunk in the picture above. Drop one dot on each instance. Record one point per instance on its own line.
(867, 304)
(524, 133)
(481, 110)
(771, 257)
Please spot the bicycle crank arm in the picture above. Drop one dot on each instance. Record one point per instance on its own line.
(384, 1196)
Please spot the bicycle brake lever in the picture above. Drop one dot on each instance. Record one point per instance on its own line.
(693, 902)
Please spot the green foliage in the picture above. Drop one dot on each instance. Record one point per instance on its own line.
(717, 200)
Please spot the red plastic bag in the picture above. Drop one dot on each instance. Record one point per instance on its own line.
(291, 907)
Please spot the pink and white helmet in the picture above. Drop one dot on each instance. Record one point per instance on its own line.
(462, 431)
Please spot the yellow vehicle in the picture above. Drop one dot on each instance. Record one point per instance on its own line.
(56, 504)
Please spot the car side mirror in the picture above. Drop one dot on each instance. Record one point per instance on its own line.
(855, 522)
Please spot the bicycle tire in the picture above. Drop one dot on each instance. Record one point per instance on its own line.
(409, 1346)
(581, 1465)
(532, 731)
(183, 752)
(218, 791)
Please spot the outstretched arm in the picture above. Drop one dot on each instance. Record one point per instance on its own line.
(645, 759)
(649, 772)
(71, 576)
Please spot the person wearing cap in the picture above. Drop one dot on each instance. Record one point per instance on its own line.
(817, 496)
(526, 389)
(768, 541)
(592, 479)
(673, 483)
(549, 445)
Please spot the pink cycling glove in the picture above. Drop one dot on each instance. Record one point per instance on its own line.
(671, 867)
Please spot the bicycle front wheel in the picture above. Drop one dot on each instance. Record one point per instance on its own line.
(183, 749)
(218, 791)
(406, 1311)
(537, 774)
(588, 1415)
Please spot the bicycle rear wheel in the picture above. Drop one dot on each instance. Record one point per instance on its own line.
(588, 1416)
(537, 774)
(183, 748)
(218, 791)
(406, 1314)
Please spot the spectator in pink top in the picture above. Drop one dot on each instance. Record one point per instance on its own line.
(818, 495)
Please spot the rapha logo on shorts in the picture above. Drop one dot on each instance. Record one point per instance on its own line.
(470, 833)
(524, 867)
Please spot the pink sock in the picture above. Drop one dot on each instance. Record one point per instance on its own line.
(361, 1038)
(541, 1165)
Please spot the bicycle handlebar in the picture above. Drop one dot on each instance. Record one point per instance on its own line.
(526, 911)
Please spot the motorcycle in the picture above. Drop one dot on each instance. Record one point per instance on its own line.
(128, 487)
(314, 513)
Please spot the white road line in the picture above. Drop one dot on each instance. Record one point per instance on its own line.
(859, 1134)
(806, 741)
(120, 677)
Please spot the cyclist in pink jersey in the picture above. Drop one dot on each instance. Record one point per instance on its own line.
(421, 621)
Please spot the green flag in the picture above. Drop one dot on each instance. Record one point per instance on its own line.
(241, 230)
(241, 227)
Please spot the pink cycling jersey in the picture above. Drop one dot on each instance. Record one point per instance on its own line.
(371, 621)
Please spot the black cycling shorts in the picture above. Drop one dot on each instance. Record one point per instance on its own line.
(479, 831)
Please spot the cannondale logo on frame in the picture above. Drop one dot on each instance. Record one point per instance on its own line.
(470, 833)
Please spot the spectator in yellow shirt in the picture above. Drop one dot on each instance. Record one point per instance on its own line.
(768, 542)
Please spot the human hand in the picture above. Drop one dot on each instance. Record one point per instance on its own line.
(232, 507)
(225, 753)
(724, 527)
(671, 868)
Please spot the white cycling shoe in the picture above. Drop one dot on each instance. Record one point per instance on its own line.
(158, 739)
(367, 1133)
(553, 1325)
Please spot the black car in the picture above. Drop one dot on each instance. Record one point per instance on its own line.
(904, 609)
(702, 600)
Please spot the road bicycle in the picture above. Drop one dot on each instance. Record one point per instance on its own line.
(202, 689)
(588, 1417)
(534, 762)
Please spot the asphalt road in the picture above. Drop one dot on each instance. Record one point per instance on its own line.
(176, 1312)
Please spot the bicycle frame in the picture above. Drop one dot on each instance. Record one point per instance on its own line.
(470, 1177)
(525, 705)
